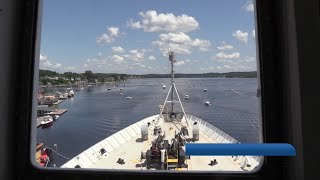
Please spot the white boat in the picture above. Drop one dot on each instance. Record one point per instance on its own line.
(207, 103)
(158, 142)
(109, 89)
(128, 97)
(121, 89)
(164, 86)
(71, 93)
(47, 121)
(186, 96)
(205, 90)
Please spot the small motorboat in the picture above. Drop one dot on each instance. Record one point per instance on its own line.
(205, 90)
(109, 89)
(186, 96)
(47, 121)
(121, 89)
(232, 89)
(164, 86)
(43, 155)
(71, 93)
(128, 97)
(207, 103)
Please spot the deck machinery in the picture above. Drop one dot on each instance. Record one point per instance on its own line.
(164, 152)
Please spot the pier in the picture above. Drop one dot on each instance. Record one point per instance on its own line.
(58, 102)
(52, 113)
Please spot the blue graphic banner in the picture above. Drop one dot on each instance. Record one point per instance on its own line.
(259, 149)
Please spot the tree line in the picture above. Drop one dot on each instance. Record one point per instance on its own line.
(55, 78)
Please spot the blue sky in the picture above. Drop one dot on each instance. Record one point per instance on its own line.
(134, 36)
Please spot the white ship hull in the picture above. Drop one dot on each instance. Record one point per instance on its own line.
(127, 144)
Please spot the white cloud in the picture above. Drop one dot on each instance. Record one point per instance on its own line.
(45, 63)
(224, 46)
(223, 55)
(99, 54)
(117, 59)
(248, 6)
(114, 31)
(151, 21)
(57, 65)
(117, 49)
(253, 33)
(165, 48)
(70, 68)
(136, 55)
(109, 36)
(241, 36)
(180, 63)
(181, 43)
(227, 66)
(151, 58)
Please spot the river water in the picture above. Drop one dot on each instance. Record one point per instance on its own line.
(95, 115)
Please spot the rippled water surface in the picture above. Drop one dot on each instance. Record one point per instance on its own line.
(94, 115)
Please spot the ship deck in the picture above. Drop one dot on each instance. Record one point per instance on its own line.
(127, 144)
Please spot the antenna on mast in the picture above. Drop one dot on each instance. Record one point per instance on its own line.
(172, 59)
(173, 90)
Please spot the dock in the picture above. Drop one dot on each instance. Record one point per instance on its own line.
(58, 102)
(57, 112)
(52, 113)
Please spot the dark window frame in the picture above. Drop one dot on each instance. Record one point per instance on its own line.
(270, 29)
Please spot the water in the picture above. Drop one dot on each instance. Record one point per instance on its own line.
(95, 115)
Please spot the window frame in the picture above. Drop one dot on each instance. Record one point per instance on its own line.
(269, 29)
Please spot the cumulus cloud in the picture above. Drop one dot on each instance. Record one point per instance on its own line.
(151, 58)
(248, 6)
(223, 55)
(181, 43)
(70, 68)
(151, 21)
(241, 36)
(224, 46)
(180, 63)
(254, 33)
(117, 58)
(45, 63)
(136, 55)
(117, 49)
(165, 48)
(109, 36)
(227, 66)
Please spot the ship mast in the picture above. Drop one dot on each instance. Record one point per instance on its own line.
(172, 59)
(173, 90)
